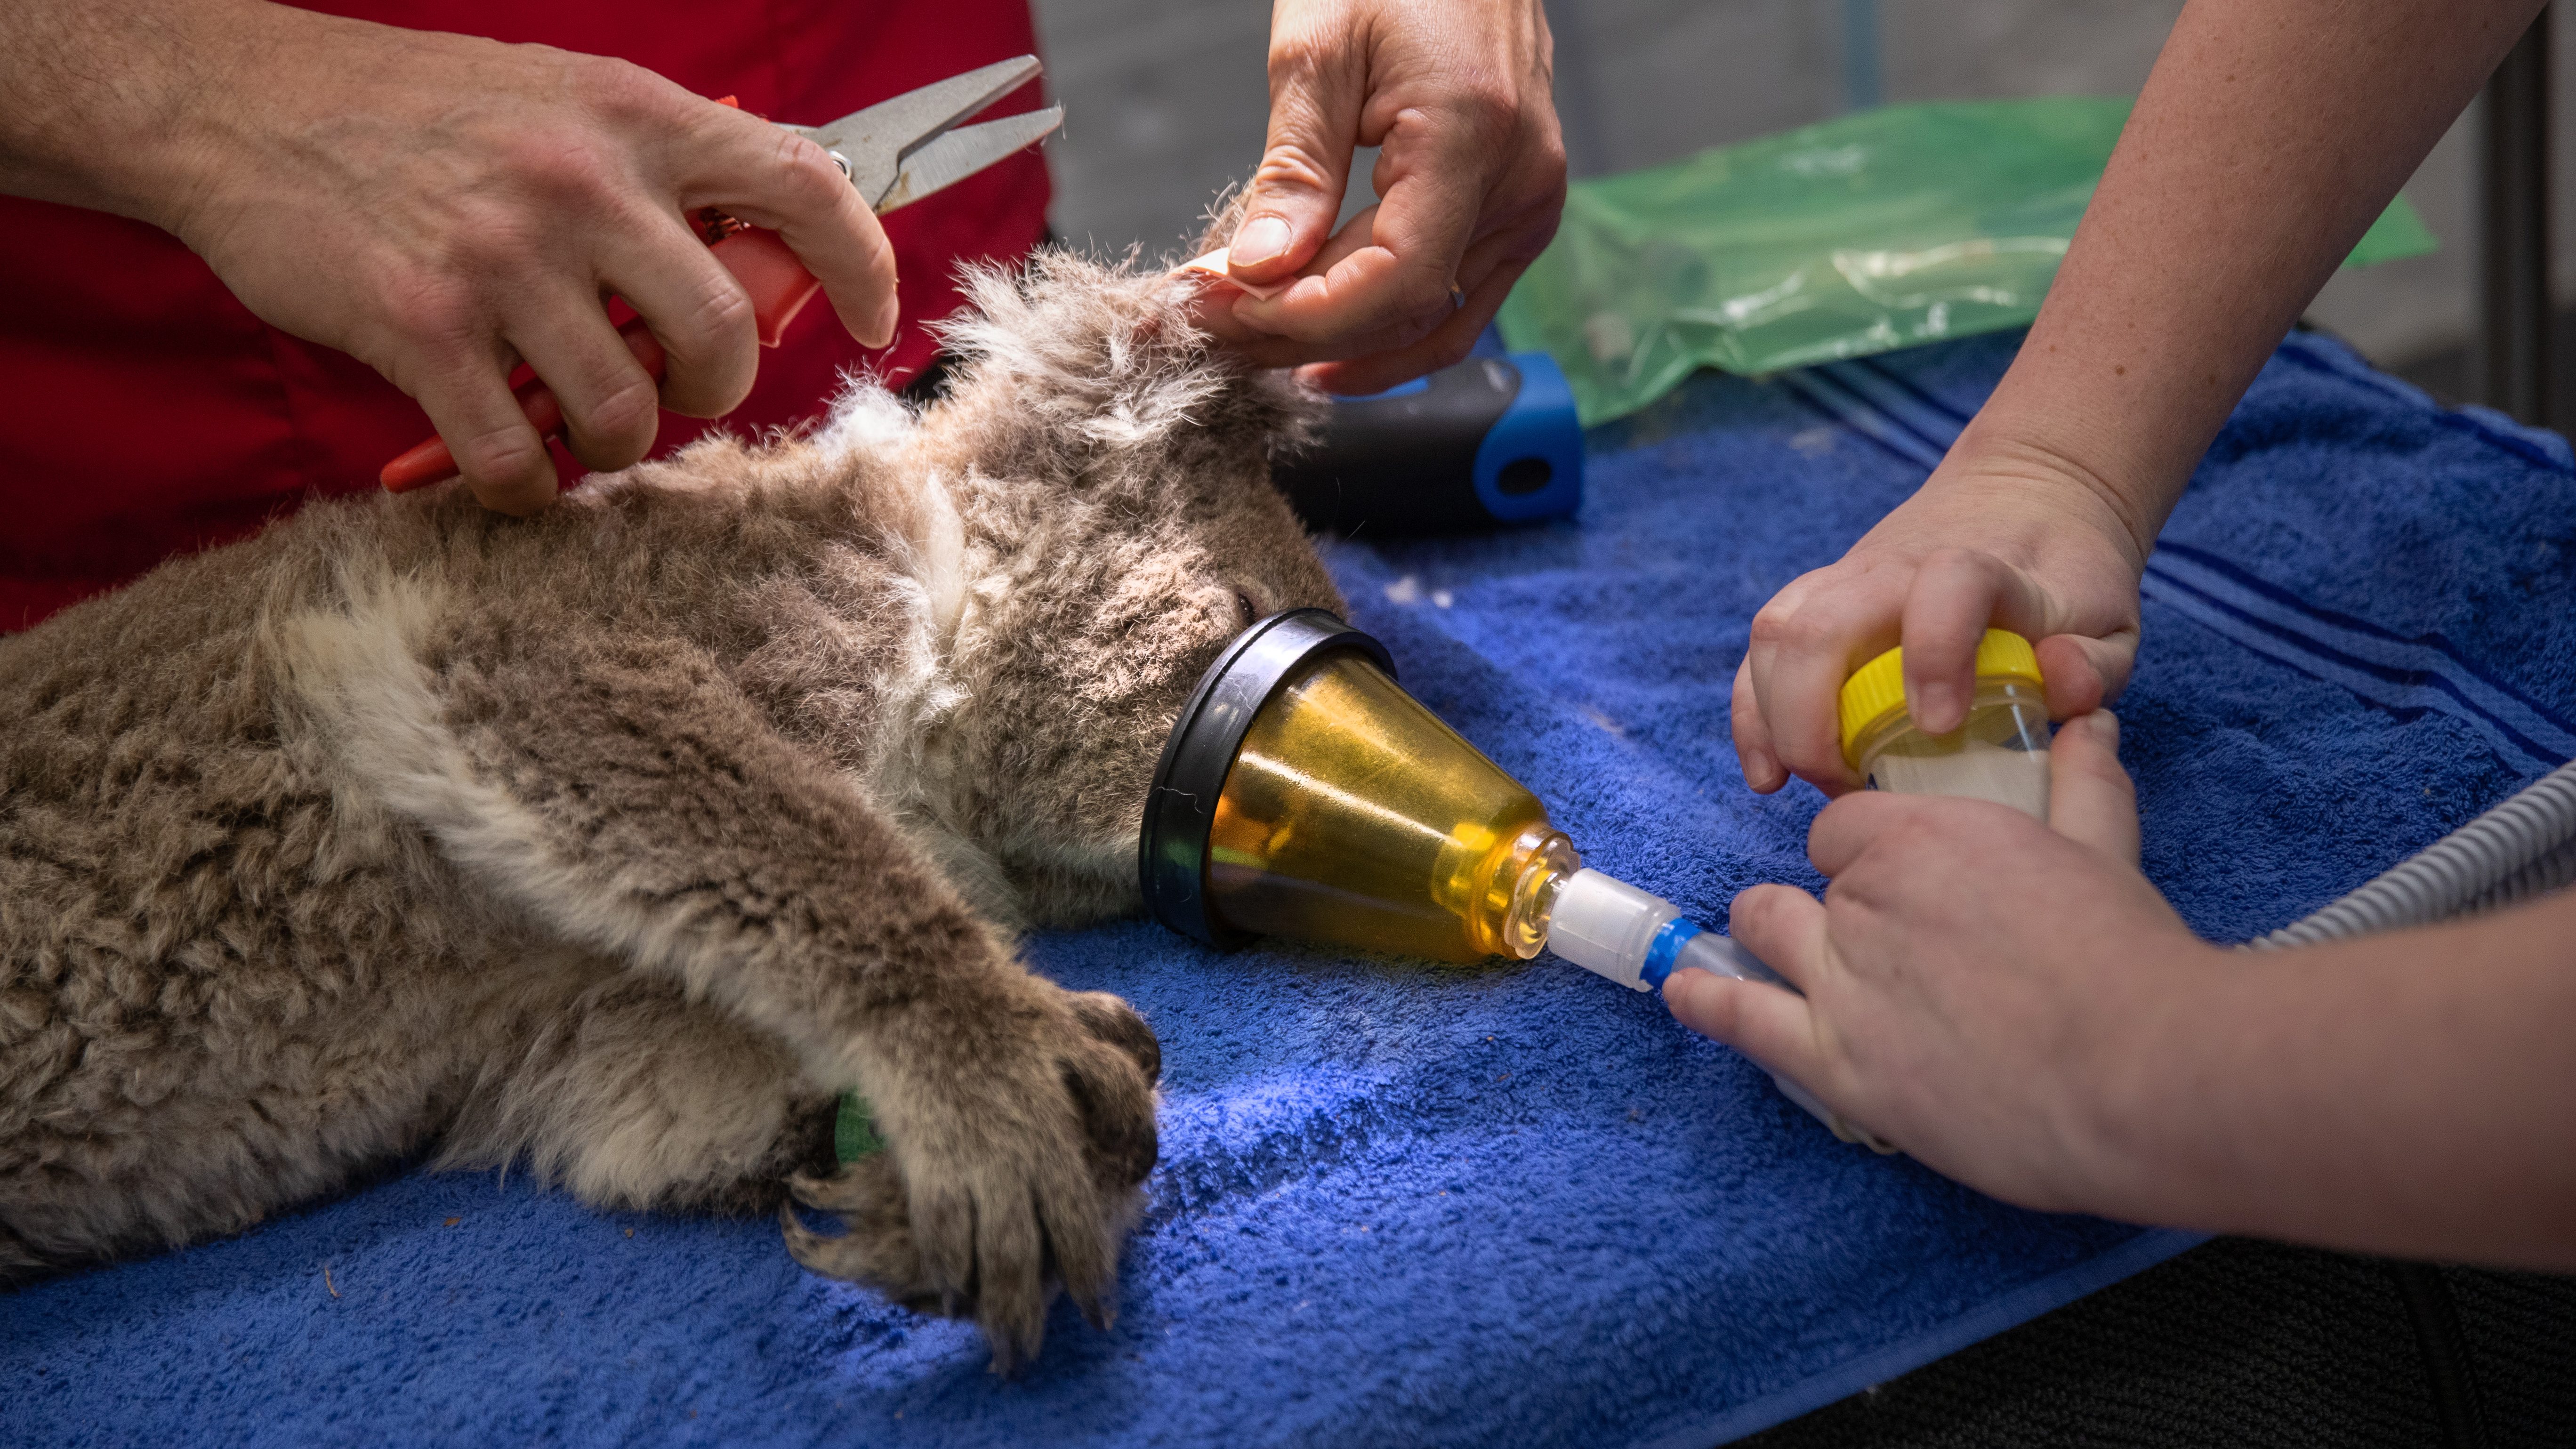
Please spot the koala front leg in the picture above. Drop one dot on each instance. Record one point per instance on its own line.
(626, 793)
(634, 1096)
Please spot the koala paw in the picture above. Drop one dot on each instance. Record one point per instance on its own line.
(1015, 1154)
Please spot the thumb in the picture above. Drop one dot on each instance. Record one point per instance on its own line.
(1316, 90)
(2091, 800)
(1773, 1024)
(2085, 673)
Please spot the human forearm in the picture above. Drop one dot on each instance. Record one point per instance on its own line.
(2016, 1007)
(2270, 135)
(441, 207)
(99, 93)
(2412, 1093)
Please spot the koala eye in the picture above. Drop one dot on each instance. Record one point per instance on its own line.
(1245, 615)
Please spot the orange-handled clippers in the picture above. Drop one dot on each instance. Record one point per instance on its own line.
(895, 153)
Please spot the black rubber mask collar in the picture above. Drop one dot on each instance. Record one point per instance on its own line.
(1171, 857)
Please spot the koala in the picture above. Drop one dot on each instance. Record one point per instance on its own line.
(616, 843)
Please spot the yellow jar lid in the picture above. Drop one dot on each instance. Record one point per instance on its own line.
(1876, 690)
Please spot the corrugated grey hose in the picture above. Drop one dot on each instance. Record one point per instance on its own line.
(2521, 848)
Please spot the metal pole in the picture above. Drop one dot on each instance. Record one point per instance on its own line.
(1864, 83)
(1578, 91)
(2513, 275)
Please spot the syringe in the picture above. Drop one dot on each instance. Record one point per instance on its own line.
(1611, 928)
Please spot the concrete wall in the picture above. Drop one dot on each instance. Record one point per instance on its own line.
(1166, 102)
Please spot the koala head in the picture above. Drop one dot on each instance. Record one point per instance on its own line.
(1112, 475)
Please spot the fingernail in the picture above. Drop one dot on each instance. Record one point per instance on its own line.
(1760, 770)
(1262, 238)
(2107, 726)
(1932, 707)
(889, 315)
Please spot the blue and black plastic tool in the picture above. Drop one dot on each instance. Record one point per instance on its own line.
(1489, 442)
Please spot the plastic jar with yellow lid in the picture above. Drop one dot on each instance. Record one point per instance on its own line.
(2000, 753)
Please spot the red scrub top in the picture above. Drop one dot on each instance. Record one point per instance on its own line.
(145, 412)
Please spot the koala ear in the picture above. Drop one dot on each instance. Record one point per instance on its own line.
(1074, 367)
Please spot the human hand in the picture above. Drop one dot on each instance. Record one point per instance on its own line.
(1982, 991)
(1998, 536)
(1470, 176)
(444, 207)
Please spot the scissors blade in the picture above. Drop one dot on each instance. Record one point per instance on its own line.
(961, 153)
(875, 141)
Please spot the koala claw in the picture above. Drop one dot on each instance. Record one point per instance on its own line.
(844, 1191)
(876, 1247)
(988, 1218)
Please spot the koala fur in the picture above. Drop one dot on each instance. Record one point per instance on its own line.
(618, 841)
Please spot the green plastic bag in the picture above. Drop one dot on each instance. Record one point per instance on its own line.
(1875, 231)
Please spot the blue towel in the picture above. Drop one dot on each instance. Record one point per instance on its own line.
(1401, 1204)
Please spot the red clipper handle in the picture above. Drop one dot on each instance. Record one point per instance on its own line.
(779, 286)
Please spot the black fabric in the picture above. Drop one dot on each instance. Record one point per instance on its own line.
(2235, 1342)
(2521, 1331)
(2444, 1348)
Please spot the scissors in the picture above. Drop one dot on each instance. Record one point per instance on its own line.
(895, 153)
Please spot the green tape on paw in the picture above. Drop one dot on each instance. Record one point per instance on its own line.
(854, 1131)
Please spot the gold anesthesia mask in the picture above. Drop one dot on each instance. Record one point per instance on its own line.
(1303, 793)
